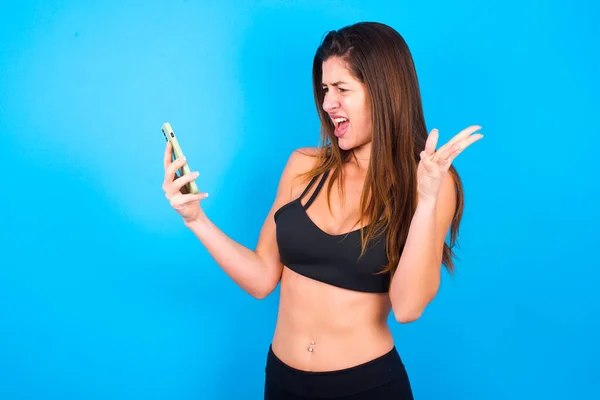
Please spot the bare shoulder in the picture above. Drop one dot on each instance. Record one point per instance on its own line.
(299, 162)
(308, 152)
(304, 158)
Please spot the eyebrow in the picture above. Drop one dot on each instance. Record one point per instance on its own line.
(335, 83)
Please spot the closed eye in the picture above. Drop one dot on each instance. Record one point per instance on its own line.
(326, 89)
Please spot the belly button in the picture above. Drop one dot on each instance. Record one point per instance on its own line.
(311, 349)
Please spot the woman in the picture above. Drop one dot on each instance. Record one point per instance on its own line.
(370, 242)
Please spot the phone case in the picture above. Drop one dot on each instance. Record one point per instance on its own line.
(177, 153)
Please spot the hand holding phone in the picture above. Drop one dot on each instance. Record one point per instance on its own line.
(179, 183)
(170, 137)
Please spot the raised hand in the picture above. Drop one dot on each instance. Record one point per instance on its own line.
(434, 165)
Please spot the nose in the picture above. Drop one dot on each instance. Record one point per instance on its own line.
(330, 102)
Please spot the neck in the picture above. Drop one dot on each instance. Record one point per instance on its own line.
(363, 153)
(362, 164)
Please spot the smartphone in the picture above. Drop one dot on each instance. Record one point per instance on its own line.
(177, 153)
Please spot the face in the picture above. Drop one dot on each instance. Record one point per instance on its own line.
(346, 102)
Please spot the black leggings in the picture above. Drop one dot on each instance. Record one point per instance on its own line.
(383, 378)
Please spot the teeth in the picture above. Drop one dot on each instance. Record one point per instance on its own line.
(339, 120)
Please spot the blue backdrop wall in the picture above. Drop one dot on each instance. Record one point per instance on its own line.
(104, 294)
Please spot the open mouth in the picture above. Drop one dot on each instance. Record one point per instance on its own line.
(341, 125)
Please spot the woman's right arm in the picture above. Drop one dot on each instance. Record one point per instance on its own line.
(256, 272)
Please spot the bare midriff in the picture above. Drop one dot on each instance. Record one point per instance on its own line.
(321, 327)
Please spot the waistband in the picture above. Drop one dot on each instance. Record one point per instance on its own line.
(343, 382)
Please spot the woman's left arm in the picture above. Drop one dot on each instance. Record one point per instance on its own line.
(417, 277)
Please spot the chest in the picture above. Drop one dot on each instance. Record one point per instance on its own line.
(302, 243)
(337, 212)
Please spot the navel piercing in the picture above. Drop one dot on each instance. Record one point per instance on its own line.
(312, 342)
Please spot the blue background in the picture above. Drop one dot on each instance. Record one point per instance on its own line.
(104, 294)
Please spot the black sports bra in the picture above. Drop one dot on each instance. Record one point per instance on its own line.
(334, 259)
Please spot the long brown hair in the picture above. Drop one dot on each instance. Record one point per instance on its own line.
(378, 56)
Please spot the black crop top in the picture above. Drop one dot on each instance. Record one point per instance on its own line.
(334, 259)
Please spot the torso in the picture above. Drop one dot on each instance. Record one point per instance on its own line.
(347, 327)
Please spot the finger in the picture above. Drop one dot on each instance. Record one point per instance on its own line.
(431, 142)
(460, 136)
(167, 156)
(179, 202)
(427, 162)
(465, 133)
(172, 169)
(173, 186)
(451, 153)
(180, 182)
(447, 151)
